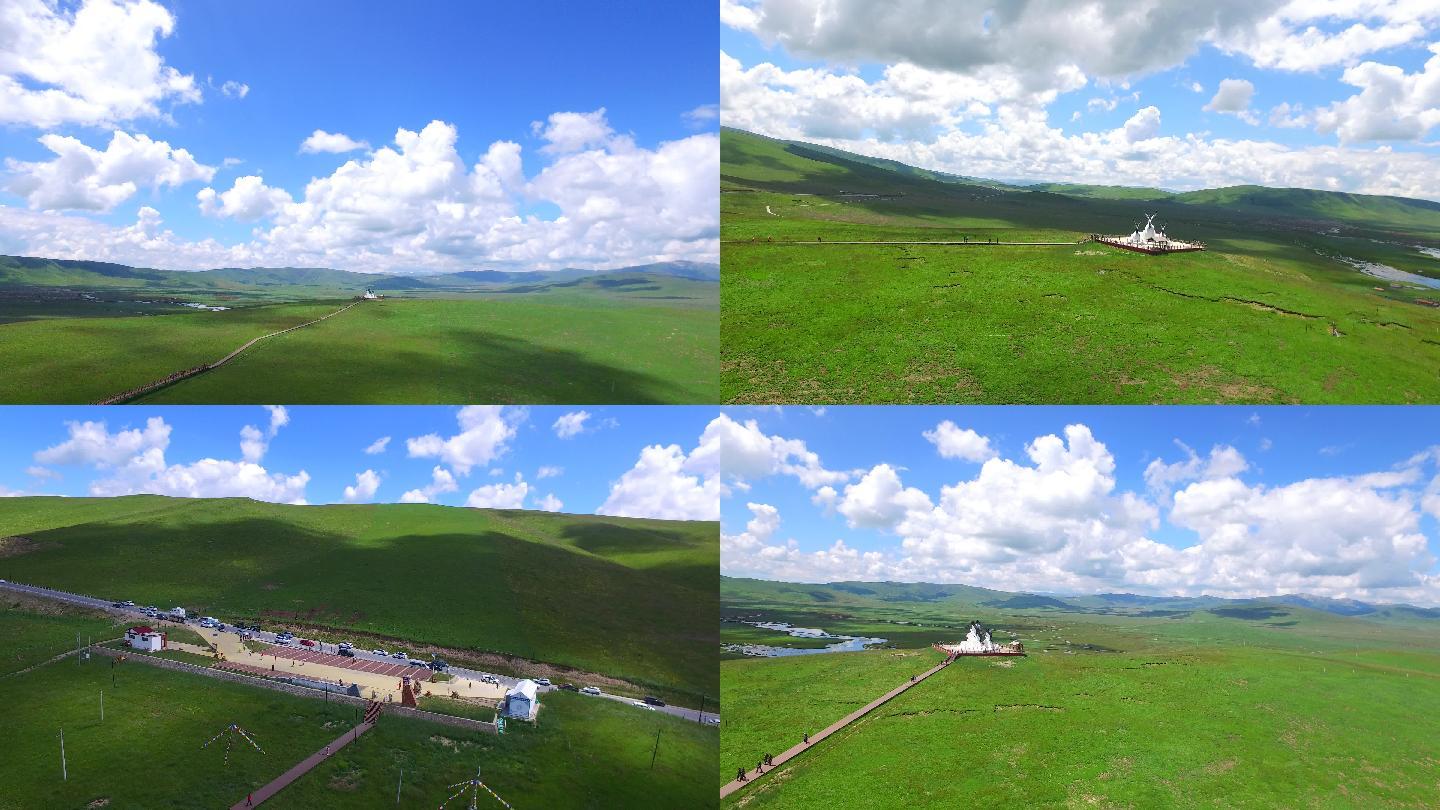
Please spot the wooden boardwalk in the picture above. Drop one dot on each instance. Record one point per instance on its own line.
(304, 767)
(782, 758)
(873, 242)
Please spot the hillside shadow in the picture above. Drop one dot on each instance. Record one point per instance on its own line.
(605, 538)
(486, 367)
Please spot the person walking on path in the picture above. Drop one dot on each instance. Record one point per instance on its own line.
(760, 766)
(739, 774)
(807, 738)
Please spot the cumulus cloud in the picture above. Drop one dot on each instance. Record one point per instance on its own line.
(92, 63)
(549, 472)
(234, 89)
(745, 452)
(1057, 521)
(413, 204)
(378, 446)
(573, 131)
(571, 424)
(248, 199)
(1233, 98)
(366, 483)
(321, 141)
(485, 433)
(134, 462)
(500, 496)
(550, 503)
(83, 178)
(1392, 105)
(255, 442)
(441, 481)
(953, 441)
(668, 483)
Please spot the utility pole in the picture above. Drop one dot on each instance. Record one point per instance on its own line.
(398, 784)
(701, 718)
(64, 771)
(77, 649)
(102, 705)
(656, 749)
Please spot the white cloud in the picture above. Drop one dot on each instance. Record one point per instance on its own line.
(253, 442)
(1290, 116)
(572, 131)
(87, 179)
(366, 483)
(879, 501)
(248, 199)
(748, 454)
(321, 141)
(1233, 98)
(550, 503)
(95, 63)
(1224, 461)
(549, 472)
(667, 483)
(234, 89)
(485, 431)
(378, 446)
(37, 471)
(571, 424)
(134, 462)
(953, 441)
(500, 496)
(418, 205)
(441, 481)
(1391, 105)
(702, 116)
(1143, 125)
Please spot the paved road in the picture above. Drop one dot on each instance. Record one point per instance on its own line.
(269, 637)
(782, 758)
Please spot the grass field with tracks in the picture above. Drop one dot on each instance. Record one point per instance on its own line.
(569, 349)
(1239, 704)
(1269, 314)
(624, 598)
(585, 753)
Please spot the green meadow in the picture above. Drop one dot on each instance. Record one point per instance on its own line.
(622, 598)
(147, 751)
(79, 332)
(1270, 313)
(1182, 703)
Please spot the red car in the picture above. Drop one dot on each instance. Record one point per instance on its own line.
(305, 642)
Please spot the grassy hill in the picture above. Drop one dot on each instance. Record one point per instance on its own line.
(626, 598)
(79, 332)
(1279, 309)
(1118, 703)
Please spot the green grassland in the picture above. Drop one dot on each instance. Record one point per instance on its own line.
(626, 598)
(35, 630)
(1269, 314)
(147, 751)
(1121, 702)
(76, 332)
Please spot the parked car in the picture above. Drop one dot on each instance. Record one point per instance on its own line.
(345, 645)
(305, 642)
(117, 604)
(282, 642)
(640, 704)
(439, 665)
(712, 721)
(654, 701)
(416, 662)
(378, 651)
(400, 655)
(347, 652)
(543, 681)
(490, 679)
(127, 603)
(569, 687)
(591, 690)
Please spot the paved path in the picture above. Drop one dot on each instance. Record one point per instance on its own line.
(187, 374)
(782, 758)
(304, 767)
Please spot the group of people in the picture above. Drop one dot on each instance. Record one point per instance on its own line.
(766, 761)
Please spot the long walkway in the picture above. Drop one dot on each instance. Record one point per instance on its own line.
(303, 767)
(120, 399)
(904, 242)
(781, 759)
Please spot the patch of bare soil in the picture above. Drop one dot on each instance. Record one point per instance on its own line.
(16, 545)
(103, 801)
(347, 781)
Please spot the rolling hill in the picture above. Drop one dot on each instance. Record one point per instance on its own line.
(625, 598)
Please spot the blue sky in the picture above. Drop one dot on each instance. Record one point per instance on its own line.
(584, 458)
(1289, 490)
(1326, 96)
(365, 70)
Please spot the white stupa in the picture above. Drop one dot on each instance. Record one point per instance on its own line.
(977, 641)
(1148, 239)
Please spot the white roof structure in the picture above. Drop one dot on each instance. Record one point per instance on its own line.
(526, 688)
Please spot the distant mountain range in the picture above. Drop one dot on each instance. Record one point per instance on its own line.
(962, 597)
(758, 161)
(24, 271)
